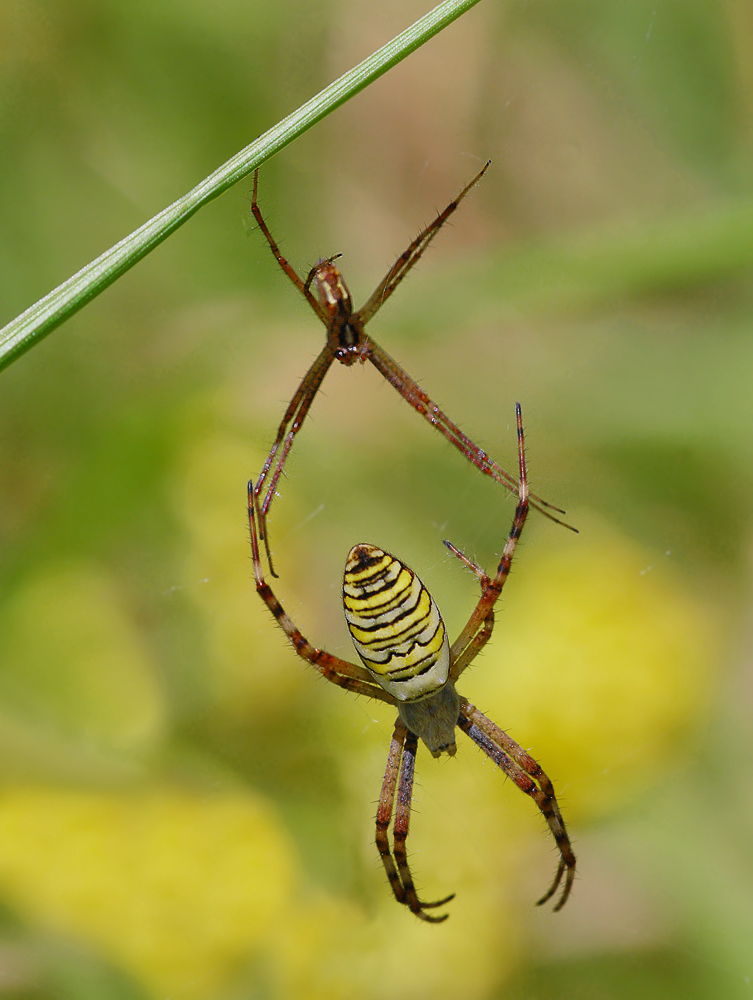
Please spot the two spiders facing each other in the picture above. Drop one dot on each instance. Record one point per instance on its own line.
(397, 629)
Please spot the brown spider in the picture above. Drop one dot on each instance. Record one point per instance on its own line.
(408, 662)
(348, 342)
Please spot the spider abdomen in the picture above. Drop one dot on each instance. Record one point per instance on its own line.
(395, 624)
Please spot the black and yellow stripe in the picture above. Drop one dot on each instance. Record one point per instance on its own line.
(395, 624)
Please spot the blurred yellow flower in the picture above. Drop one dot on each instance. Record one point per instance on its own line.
(191, 895)
(177, 889)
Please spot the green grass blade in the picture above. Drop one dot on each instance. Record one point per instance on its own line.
(58, 305)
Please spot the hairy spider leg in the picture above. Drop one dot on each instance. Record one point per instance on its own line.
(412, 393)
(294, 417)
(401, 759)
(493, 740)
(409, 257)
(467, 644)
(525, 772)
(284, 264)
(341, 672)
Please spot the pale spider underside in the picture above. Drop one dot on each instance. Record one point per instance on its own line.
(409, 663)
(348, 342)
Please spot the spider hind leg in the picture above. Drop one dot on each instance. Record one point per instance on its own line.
(401, 762)
(531, 779)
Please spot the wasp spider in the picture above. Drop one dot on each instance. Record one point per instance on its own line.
(348, 342)
(408, 662)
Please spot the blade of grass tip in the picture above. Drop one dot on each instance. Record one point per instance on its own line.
(60, 304)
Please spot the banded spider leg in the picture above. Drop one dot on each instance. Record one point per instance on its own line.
(531, 779)
(527, 774)
(401, 760)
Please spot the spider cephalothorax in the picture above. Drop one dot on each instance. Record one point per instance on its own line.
(348, 342)
(409, 663)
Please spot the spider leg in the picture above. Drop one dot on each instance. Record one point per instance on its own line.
(470, 564)
(412, 255)
(317, 267)
(284, 264)
(412, 393)
(473, 648)
(341, 672)
(481, 638)
(402, 752)
(531, 779)
(492, 587)
(292, 422)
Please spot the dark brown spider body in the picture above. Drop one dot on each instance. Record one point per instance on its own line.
(345, 335)
(407, 661)
(347, 342)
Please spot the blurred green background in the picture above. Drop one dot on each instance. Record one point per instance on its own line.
(186, 809)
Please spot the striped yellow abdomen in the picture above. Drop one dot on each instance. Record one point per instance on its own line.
(395, 624)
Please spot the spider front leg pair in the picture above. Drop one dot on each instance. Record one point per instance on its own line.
(407, 661)
(348, 342)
